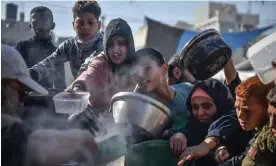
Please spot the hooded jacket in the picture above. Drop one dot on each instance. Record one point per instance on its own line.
(225, 124)
(119, 27)
(103, 78)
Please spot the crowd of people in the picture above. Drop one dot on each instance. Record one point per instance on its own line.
(230, 123)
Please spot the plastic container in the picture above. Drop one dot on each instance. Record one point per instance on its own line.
(71, 103)
(260, 55)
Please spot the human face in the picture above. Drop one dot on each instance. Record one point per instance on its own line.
(12, 96)
(149, 75)
(86, 26)
(203, 109)
(272, 118)
(41, 24)
(251, 113)
(117, 49)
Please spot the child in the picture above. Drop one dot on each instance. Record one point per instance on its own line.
(151, 75)
(40, 46)
(176, 74)
(109, 72)
(251, 107)
(263, 150)
(77, 50)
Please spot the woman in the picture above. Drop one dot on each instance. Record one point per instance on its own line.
(213, 122)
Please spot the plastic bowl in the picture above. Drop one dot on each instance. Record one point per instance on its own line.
(71, 103)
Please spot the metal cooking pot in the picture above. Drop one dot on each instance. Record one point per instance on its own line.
(142, 111)
(205, 55)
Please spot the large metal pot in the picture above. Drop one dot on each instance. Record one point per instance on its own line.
(205, 55)
(141, 111)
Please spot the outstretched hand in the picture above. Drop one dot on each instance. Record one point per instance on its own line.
(193, 152)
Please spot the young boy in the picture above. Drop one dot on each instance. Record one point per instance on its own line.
(251, 107)
(40, 46)
(263, 150)
(87, 42)
(151, 75)
(176, 74)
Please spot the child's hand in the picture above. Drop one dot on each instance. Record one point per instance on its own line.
(178, 143)
(222, 154)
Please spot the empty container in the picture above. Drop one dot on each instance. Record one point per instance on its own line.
(71, 103)
(261, 55)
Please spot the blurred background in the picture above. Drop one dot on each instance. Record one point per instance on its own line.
(164, 25)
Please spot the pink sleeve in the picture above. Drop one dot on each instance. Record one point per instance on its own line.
(94, 79)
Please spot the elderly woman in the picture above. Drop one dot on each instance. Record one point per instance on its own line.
(213, 122)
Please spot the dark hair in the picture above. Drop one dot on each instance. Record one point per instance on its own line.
(271, 97)
(173, 62)
(42, 9)
(152, 54)
(90, 6)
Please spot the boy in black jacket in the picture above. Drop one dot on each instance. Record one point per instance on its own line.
(40, 46)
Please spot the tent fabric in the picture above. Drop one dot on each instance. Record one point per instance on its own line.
(234, 40)
(162, 37)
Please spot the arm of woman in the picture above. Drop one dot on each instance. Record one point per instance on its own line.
(198, 151)
(220, 130)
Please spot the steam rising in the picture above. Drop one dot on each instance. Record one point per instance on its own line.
(54, 146)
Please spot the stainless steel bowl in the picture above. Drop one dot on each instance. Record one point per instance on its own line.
(142, 111)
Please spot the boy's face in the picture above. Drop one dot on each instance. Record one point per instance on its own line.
(86, 26)
(117, 49)
(251, 113)
(42, 24)
(149, 74)
(272, 118)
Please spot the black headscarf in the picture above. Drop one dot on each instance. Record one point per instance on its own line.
(218, 92)
(222, 99)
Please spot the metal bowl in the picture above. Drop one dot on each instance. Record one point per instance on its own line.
(205, 55)
(142, 111)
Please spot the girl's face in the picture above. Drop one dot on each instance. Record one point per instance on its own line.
(117, 49)
(203, 109)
